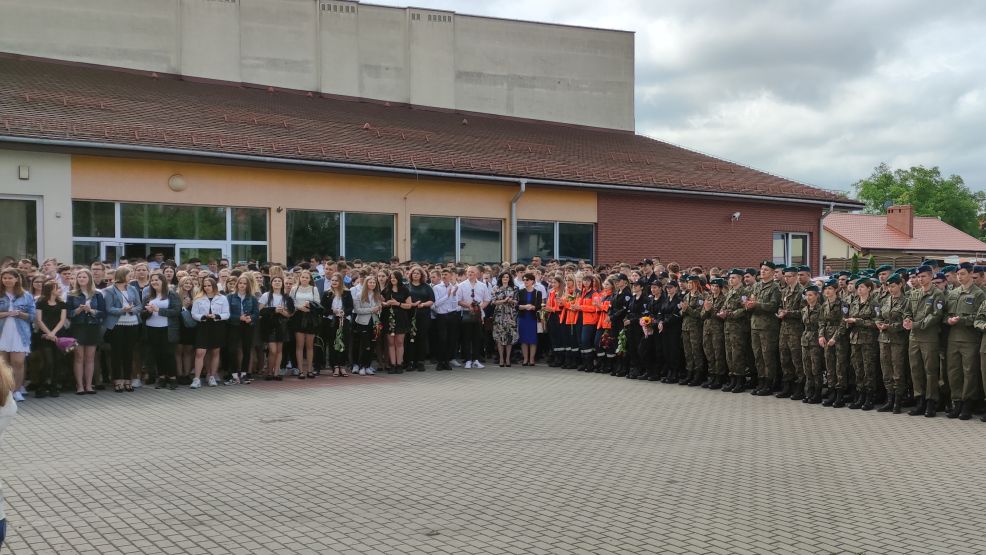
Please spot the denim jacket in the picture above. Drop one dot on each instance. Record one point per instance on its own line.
(98, 304)
(25, 304)
(114, 304)
(248, 306)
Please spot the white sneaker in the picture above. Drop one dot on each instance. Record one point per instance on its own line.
(468, 364)
(212, 381)
(477, 364)
(196, 383)
(18, 396)
(455, 362)
(361, 371)
(356, 369)
(135, 383)
(370, 371)
(23, 390)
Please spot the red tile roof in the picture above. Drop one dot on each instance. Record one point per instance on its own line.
(52, 100)
(870, 232)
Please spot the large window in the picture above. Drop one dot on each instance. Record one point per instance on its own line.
(369, 236)
(354, 235)
(433, 239)
(19, 238)
(449, 239)
(790, 249)
(561, 240)
(107, 230)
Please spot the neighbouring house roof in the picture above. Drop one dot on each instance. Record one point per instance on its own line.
(870, 232)
(106, 107)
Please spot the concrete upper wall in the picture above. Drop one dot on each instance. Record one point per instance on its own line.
(50, 183)
(417, 56)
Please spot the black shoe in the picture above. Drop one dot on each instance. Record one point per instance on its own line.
(785, 391)
(54, 391)
(798, 391)
(955, 411)
(898, 399)
(857, 401)
(172, 384)
(918, 407)
(829, 398)
(41, 393)
(728, 386)
(889, 405)
(931, 408)
(867, 401)
(839, 401)
(740, 386)
(966, 413)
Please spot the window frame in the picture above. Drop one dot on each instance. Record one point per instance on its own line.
(556, 225)
(38, 201)
(458, 233)
(787, 237)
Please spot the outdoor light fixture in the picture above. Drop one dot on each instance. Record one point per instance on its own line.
(736, 216)
(177, 183)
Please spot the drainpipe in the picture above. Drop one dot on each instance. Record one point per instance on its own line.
(513, 219)
(821, 237)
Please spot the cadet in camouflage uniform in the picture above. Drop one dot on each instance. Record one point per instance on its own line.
(762, 304)
(922, 317)
(749, 280)
(832, 337)
(713, 335)
(861, 323)
(893, 343)
(691, 330)
(792, 300)
(812, 353)
(736, 329)
(961, 306)
(980, 324)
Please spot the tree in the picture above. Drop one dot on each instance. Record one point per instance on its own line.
(927, 191)
(854, 263)
(871, 263)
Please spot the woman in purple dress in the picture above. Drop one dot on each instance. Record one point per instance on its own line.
(528, 305)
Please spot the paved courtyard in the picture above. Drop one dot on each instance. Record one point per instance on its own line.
(514, 460)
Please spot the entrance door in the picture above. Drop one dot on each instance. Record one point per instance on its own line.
(203, 252)
(109, 250)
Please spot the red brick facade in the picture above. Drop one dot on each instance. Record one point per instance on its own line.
(698, 230)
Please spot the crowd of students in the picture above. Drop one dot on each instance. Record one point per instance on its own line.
(845, 340)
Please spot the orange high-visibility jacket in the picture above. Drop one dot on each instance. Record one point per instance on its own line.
(604, 302)
(590, 312)
(568, 316)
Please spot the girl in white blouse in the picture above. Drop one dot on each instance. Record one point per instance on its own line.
(211, 311)
(306, 321)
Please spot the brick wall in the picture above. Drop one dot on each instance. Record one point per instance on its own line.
(697, 231)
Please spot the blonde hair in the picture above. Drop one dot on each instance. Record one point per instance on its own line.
(250, 283)
(376, 290)
(90, 288)
(122, 275)
(7, 384)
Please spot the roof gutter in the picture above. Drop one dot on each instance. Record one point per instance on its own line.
(252, 158)
(513, 219)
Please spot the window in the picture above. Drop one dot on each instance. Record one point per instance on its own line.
(249, 224)
(246, 253)
(369, 236)
(312, 233)
(535, 239)
(93, 219)
(575, 241)
(85, 252)
(480, 240)
(790, 249)
(149, 221)
(561, 240)
(433, 239)
(20, 228)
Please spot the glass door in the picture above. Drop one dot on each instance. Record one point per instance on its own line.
(109, 250)
(204, 253)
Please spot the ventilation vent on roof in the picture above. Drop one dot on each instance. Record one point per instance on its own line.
(403, 133)
(338, 8)
(531, 148)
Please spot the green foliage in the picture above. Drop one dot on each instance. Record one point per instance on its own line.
(854, 263)
(871, 263)
(927, 191)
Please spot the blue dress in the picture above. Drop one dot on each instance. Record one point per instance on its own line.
(527, 323)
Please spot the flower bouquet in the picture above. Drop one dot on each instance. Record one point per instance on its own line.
(392, 321)
(414, 325)
(647, 324)
(606, 341)
(621, 343)
(339, 345)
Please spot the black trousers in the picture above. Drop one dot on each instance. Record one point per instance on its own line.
(161, 351)
(472, 340)
(123, 341)
(364, 344)
(416, 348)
(51, 360)
(672, 351)
(448, 336)
(331, 327)
(239, 339)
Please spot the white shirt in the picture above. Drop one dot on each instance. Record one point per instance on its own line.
(156, 320)
(445, 299)
(469, 292)
(217, 305)
(272, 300)
(303, 295)
(7, 413)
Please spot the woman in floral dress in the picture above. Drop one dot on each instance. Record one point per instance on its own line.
(504, 317)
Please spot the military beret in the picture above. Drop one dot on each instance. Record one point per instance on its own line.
(865, 281)
(967, 266)
(751, 271)
(812, 289)
(940, 276)
(896, 278)
(853, 277)
(884, 268)
(844, 273)
(806, 269)
(950, 269)
(717, 281)
(832, 283)
(931, 262)
(900, 271)
(922, 269)
(768, 264)
(693, 278)
(978, 269)
(736, 272)
(792, 269)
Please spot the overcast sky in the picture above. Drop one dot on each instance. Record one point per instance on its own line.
(818, 91)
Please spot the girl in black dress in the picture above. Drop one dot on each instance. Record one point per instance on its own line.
(422, 298)
(396, 321)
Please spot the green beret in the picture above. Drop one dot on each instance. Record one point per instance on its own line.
(812, 289)
(896, 278)
(792, 269)
(736, 272)
(752, 271)
(884, 268)
(950, 269)
(718, 281)
(768, 264)
(806, 269)
(832, 283)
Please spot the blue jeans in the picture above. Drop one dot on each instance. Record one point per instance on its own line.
(3, 531)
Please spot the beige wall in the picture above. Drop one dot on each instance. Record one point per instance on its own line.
(120, 179)
(834, 247)
(411, 55)
(49, 183)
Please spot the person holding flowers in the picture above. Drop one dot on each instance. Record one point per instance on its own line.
(338, 304)
(396, 320)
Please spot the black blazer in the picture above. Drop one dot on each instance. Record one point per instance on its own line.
(538, 299)
(347, 303)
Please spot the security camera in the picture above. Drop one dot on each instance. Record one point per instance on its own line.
(736, 216)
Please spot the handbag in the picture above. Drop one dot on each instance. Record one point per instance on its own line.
(186, 318)
(66, 344)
